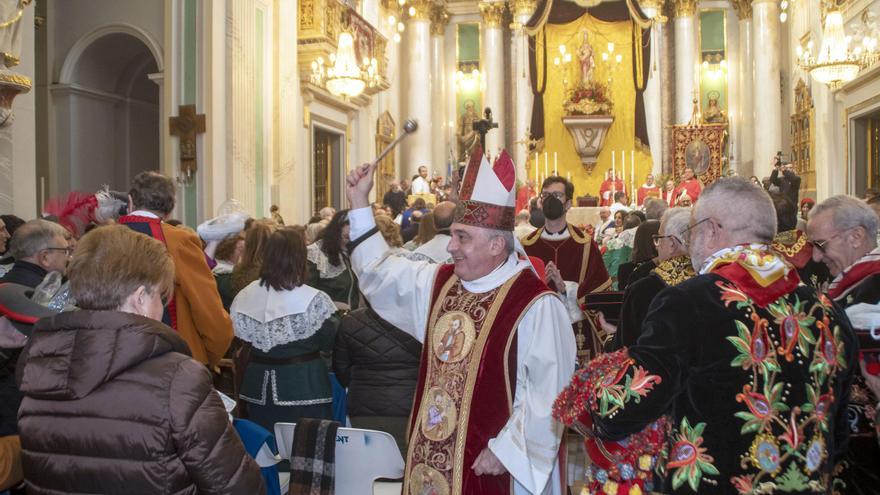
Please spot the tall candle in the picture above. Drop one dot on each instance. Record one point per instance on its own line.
(613, 172)
(568, 175)
(546, 163)
(555, 165)
(632, 172)
(537, 182)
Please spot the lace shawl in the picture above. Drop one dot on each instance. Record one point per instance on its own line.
(325, 268)
(290, 328)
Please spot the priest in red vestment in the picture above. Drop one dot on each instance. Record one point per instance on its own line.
(525, 194)
(570, 253)
(497, 345)
(647, 190)
(611, 185)
(689, 185)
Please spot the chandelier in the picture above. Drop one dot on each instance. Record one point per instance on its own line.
(344, 77)
(836, 64)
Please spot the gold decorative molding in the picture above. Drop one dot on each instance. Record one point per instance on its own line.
(743, 9)
(492, 13)
(684, 8)
(420, 10)
(21, 82)
(439, 20)
(523, 7)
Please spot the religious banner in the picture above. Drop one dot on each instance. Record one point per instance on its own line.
(699, 147)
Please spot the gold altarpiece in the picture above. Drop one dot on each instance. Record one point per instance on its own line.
(803, 137)
(385, 173)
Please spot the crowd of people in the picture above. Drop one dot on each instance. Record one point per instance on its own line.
(697, 347)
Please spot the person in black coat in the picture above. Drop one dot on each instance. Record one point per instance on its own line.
(396, 199)
(39, 247)
(672, 267)
(643, 253)
(379, 364)
(785, 178)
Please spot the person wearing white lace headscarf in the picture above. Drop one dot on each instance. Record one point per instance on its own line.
(286, 324)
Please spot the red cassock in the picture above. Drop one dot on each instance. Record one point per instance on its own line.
(645, 192)
(607, 190)
(578, 259)
(692, 187)
(523, 196)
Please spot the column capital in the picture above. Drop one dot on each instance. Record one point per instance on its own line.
(743, 9)
(684, 8)
(439, 20)
(421, 10)
(522, 7)
(493, 13)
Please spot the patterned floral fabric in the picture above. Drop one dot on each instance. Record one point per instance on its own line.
(756, 393)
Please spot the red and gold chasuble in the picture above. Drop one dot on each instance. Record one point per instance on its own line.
(578, 259)
(467, 381)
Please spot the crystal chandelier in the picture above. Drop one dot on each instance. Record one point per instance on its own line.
(836, 64)
(344, 77)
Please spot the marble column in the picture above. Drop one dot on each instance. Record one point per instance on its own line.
(767, 127)
(442, 141)
(744, 116)
(418, 149)
(653, 103)
(493, 69)
(667, 93)
(686, 59)
(522, 88)
(732, 75)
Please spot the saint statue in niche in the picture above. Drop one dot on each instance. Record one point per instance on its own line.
(467, 136)
(713, 113)
(585, 56)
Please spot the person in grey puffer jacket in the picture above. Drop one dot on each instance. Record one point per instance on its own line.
(379, 363)
(113, 403)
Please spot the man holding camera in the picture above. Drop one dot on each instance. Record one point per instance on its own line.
(785, 178)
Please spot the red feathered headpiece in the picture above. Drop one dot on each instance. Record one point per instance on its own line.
(74, 212)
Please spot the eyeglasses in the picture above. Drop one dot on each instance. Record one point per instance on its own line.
(657, 238)
(821, 245)
(67, 250)
(558, 195)
(686, 233)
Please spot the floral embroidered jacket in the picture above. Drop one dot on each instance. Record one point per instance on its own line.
(753, 371)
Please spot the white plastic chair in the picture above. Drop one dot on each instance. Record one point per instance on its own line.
(362, 456)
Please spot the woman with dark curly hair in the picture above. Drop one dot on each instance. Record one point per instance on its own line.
(328, 265)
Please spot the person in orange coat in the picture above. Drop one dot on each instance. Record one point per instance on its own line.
(195, 310)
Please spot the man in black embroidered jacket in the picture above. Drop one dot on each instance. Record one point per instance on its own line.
(752, 369)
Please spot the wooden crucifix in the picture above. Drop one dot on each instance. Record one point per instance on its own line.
(186, 126)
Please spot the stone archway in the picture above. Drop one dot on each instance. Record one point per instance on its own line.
(106, 111)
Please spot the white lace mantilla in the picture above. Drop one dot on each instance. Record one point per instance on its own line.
(290, 328)
(325, 268)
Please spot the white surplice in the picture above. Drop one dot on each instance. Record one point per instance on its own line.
(420, 186)
(400, 289)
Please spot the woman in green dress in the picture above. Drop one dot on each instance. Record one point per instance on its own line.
(288, 324)
(328, 265)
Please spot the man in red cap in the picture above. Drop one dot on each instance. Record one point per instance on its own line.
(497, 343)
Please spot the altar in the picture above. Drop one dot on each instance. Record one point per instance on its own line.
(583, 215)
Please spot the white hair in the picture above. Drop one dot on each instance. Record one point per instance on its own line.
(675, 221)
(742, 209)
(848, 212)
(654, 208)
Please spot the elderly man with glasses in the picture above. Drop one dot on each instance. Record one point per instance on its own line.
(39, 247)
(673, 267)
(751, 367)
(843, 232)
